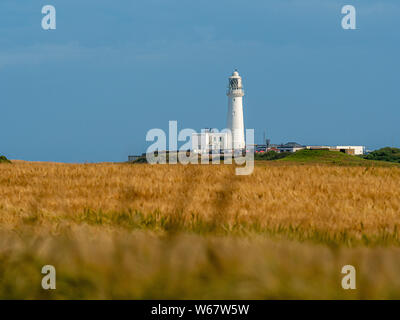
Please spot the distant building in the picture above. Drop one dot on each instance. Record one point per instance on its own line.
(260, 148)
(290, 147)
(294, 146)
(353, 150)
(356, 150)
(209, 141)
(273, 149)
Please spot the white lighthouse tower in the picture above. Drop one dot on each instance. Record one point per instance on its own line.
(235, 121)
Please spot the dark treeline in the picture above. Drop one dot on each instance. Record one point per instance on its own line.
(384, 154)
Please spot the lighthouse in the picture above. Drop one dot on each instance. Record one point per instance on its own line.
(210, 140)
(235, 121)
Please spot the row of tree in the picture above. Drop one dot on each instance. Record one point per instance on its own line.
(4, 159)
(270, 155)
(384, 154)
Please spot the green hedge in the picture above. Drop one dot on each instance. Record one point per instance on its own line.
(4, 159)
(385, 154)
(270, 155)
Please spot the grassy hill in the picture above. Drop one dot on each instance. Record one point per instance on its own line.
(331, 157)
(3, 159)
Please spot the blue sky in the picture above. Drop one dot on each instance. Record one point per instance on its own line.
(90, 90)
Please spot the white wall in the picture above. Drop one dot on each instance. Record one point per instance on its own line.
(206, 141)
(358, 150)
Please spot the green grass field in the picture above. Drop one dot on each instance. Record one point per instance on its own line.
(332, 157)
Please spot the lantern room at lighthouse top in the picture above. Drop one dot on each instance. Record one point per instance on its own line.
(235, 88)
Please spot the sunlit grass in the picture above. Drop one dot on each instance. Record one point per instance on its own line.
(174, 231)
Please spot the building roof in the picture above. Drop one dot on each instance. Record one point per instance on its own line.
(290, 145)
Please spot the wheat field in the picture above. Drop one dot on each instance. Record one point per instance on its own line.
(198, 231)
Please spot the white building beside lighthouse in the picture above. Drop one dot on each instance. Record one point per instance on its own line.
(232, 138)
